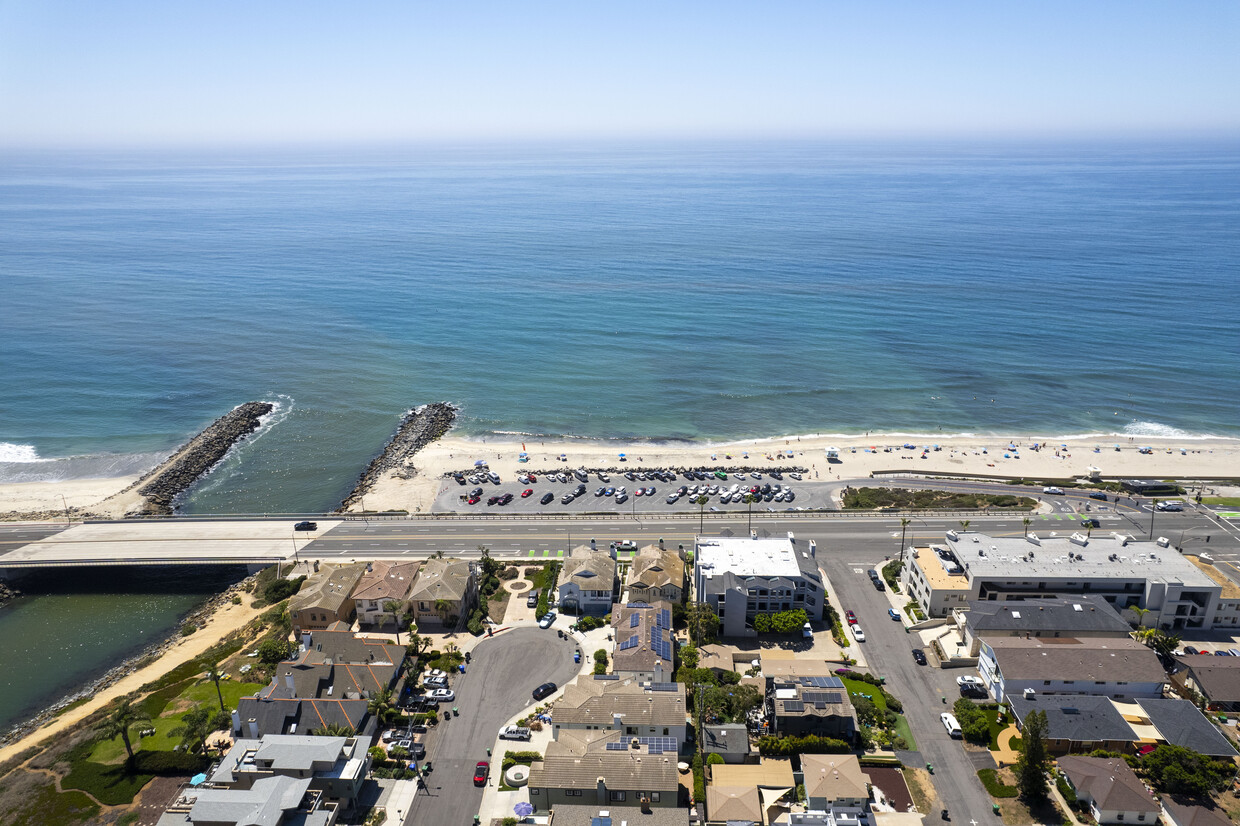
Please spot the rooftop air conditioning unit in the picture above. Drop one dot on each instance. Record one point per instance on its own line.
(1163, 541)
(1079, 539)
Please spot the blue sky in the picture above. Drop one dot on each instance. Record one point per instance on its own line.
(174, 73)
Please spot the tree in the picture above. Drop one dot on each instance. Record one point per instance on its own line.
(332, 730)
(1179, 770)
(1164, 644)
(904, 523)
(121, 720)
(689, 656)
(396, 608)
(443, 608)
(1140, 612)
(974, 725)
(418, 644)
(749, 500)
(703, 623)
(196, 724)
(214, 675)
(380, 705)
(1034, 762)
(701, 503)
(1026, 522)
(490, 565)
(273, 650)
(964, 524)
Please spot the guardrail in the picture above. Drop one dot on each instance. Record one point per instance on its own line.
(654, 515)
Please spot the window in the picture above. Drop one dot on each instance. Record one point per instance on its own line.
(571, 792)
(617, 797)
(534, 791)
(654, 798)
(665, 731)
(1119, 816)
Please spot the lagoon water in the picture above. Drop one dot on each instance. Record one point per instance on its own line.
(688, 291)
(666, 292)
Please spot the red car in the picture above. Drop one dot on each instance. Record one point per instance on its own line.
(473, 500)
(852, 618)
(533, 478)
(526, 492)
(480, 773)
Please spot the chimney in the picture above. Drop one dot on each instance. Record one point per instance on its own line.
(616, 721)
(307, 639)
(252, 723)
(600, 786)
(236, 722)
(658, 671)
(288, 682)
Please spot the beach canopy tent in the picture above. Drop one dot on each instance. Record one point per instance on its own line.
(523, 457)
(198, 780)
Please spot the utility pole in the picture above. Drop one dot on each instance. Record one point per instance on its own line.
(1153, 510)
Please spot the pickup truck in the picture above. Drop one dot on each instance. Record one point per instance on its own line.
(514, 733)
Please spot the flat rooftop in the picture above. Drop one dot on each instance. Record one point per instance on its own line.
(747, 557)
(1112, 556)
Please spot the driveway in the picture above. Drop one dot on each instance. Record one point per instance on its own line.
(498, 683)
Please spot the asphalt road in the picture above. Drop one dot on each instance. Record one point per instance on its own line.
(496, 685)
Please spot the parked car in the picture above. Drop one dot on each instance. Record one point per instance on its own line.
(1053, 491)
(306, 526)
(526, 493)
(919, 656)
(851, 617)
(547, 497)
(547, 619)
(807, 631)
(858, 634)
(967, 681)
(442, 695)
(532, 600)
(505, 499)
(514, 733)
(480, 773)
(894, 614)
(1098, 495)
(435, 682)
(544, 691)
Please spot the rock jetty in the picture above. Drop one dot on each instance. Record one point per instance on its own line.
(417, 429)
(187, 465)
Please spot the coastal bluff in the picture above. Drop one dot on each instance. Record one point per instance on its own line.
(417, 429)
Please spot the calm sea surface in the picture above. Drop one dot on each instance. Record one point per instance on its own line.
(664, 292)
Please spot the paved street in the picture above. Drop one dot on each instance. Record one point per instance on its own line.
(505, 669)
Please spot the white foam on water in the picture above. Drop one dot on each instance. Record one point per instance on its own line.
(10, 452)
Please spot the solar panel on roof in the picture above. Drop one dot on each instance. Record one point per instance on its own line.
(666, 616)
(794, 705)
(606, 676)
(634, 620)
(616, 747)
(631, 642)
(664, 686)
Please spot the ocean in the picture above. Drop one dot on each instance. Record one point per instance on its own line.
(668, 292)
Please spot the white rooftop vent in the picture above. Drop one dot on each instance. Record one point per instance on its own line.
(1016, 615)
(1163, 541)
(1076, 606)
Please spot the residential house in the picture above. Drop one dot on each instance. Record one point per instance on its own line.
(1217, 679)
(610, 814)
(325, 598)
(643, 648)
(728, 740)
(1120, 668)
(330, 681)
(656, 574)
(335, 766)
(1111, 790)
(444, 593)
(588, 582)
(1180, 723)
(811, 705)
(610, 703)
(836, 783)
(968, 566)
(1079, 616)
(740, 577)
(1182, 814)
(382, 584)
(271, 801)
(1077, 724)
(757, 793)
(605, 767)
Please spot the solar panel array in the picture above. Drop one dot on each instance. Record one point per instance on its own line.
(637, 605)
(794, 705)
(655, 745)
(663, 619)
(664, 686)
(816, 697)
(821, 682)
(606, 676)
(631, 642)
(659, 645)
(634, 620)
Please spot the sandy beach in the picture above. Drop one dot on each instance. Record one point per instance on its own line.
(1180, 458)
(53, 497)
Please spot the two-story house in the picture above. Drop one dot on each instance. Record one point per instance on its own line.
(588, 583)
(325, 598)
(656, 574)
(383, 583)
(607, 702)
(446, 591)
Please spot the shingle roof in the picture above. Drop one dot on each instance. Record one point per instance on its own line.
(640, 655)
(654, 567)
(587, 701)
(731, 738)
(263, 804)
(343, 647)
(578, 815)
(1057, 613)
(591, 570)
(1219, 677)
(811, 696)
(834, 776)
(386, 581)
(1068, 658)
(277, 715)
(1182, 815)
(441, 579)
(329, 589)
(578, 758)
(1077, 717)
(1108, 780)
(1182, 724)
(742, 804)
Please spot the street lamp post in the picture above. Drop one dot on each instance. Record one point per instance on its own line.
(1153, 510)
(66, 504)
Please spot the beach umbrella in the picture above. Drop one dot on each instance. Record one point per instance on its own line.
(480, 463)
(621, 455)
(198, 779)
(523, 809)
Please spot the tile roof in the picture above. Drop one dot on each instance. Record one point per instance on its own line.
(741, 804)
(655, 567)
(1087, 612)
(441, 579)
(587, 701)
(1109, 782)
(386, 581)
(1219, 677)
(1076, 717)
(591, 570)
(1182, 724)
(578, 758)
(329, 589)
(834, 776)
(1089, 659)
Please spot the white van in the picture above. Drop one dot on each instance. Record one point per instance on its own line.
(952, 726)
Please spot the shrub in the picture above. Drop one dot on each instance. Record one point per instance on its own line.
(169, 762)
(273, 650)
(475, 622)
(279, 590)
(188, 628)
(236, 600)
(771, 746)
(714, 759)
(600, 656)
(974, 724)
(508, 573)
(699, 779)
(600, 668)
(994, 787)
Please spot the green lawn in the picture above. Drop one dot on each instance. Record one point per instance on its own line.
(874, 694)
(1228, 501)
(112, 752)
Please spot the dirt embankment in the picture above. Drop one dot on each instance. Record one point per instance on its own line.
(417, 429)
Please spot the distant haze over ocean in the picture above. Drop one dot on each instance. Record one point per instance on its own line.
(688, 291)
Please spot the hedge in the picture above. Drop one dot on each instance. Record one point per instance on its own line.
(772, 746)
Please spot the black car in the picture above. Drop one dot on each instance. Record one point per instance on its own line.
(1090, 522)
(543, 691)
(919, 656)
(505, 499)
(547, 497)
(306, 526)
(775, 474)
(532, 600)
(1098, 495)
(460, 478)
(492, 500)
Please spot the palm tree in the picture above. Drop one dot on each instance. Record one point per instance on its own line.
(701, 503)
(380, 705)
(394, 607)
(904, 523)
(1140, 612)
(215, 675)
(418, 645)
(332, 730)
(196, 724)
(964, 524)
(749, 500)
(443, 607)
(1026, 522)
(125, 717)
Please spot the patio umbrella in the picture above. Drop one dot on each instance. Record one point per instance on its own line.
(523, 809)
(198, 780)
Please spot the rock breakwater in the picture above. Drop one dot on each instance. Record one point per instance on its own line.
(176, 475)
(417, 429)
